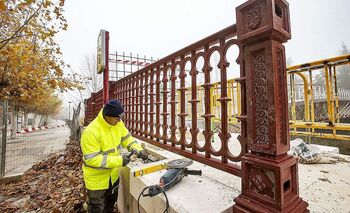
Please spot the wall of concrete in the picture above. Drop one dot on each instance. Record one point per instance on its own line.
(214, 191)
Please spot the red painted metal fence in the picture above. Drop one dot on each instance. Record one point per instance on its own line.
(152, 96)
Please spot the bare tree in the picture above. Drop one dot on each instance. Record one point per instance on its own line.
(89, 71)
(343, 72)
(92, 81)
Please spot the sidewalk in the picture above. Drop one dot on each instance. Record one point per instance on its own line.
(324, 186)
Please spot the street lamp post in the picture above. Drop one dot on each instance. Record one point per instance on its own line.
(69, 110)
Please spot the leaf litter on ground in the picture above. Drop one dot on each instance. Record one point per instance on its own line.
(52, 185)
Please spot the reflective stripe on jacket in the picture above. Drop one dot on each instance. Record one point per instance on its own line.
(100, 144)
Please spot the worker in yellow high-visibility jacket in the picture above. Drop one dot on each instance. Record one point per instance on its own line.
(100, 143)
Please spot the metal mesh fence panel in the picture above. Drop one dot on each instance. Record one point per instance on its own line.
(33, 144)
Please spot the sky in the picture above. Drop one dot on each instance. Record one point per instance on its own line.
(157, 28)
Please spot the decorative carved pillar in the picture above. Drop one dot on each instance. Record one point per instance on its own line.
(269, 174)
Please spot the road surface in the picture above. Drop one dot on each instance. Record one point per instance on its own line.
(27, 149)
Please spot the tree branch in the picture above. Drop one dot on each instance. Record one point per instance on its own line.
(14, 37)
(5, 42)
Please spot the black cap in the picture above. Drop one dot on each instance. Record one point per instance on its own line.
(113, 108)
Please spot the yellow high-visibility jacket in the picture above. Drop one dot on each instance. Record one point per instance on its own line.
(100, 144)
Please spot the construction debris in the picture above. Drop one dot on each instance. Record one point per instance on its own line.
(311, 154)
(306, 153)
(53, 185)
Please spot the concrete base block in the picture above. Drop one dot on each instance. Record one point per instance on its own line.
(212, 192)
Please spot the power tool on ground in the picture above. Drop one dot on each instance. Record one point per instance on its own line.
(176, 170)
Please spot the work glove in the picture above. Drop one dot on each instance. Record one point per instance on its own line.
(143, 155)
(126, 160)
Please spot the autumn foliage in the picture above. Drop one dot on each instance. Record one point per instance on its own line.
(31, 67)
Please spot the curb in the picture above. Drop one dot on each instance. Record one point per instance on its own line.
(33, 129)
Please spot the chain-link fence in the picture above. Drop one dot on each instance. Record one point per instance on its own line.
(25, 141)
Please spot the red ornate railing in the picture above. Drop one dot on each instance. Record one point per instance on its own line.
(93, 106)
(150, 98)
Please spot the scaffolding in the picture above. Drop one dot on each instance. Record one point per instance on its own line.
(122, 64)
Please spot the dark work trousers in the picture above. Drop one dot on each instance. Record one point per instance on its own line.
(102, 201)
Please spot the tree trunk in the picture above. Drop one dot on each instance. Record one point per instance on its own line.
(13, 124)
(41, 122)
(45, 120)
(20, 116)
(1, 113)
(25, 120)
(34, 120)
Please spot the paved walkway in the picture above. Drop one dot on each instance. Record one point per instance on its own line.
(324, 186)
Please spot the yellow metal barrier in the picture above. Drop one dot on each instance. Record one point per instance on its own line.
(310, 94)
(234, 106)
(308, 125)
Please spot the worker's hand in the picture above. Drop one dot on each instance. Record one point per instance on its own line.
(143, 155)
(126, 160)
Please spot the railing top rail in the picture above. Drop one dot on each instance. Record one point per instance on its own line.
(344, 59)
(227, 32)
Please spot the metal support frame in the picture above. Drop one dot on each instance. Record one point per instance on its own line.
(4, 139)
(130, 63)
(106, 72)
